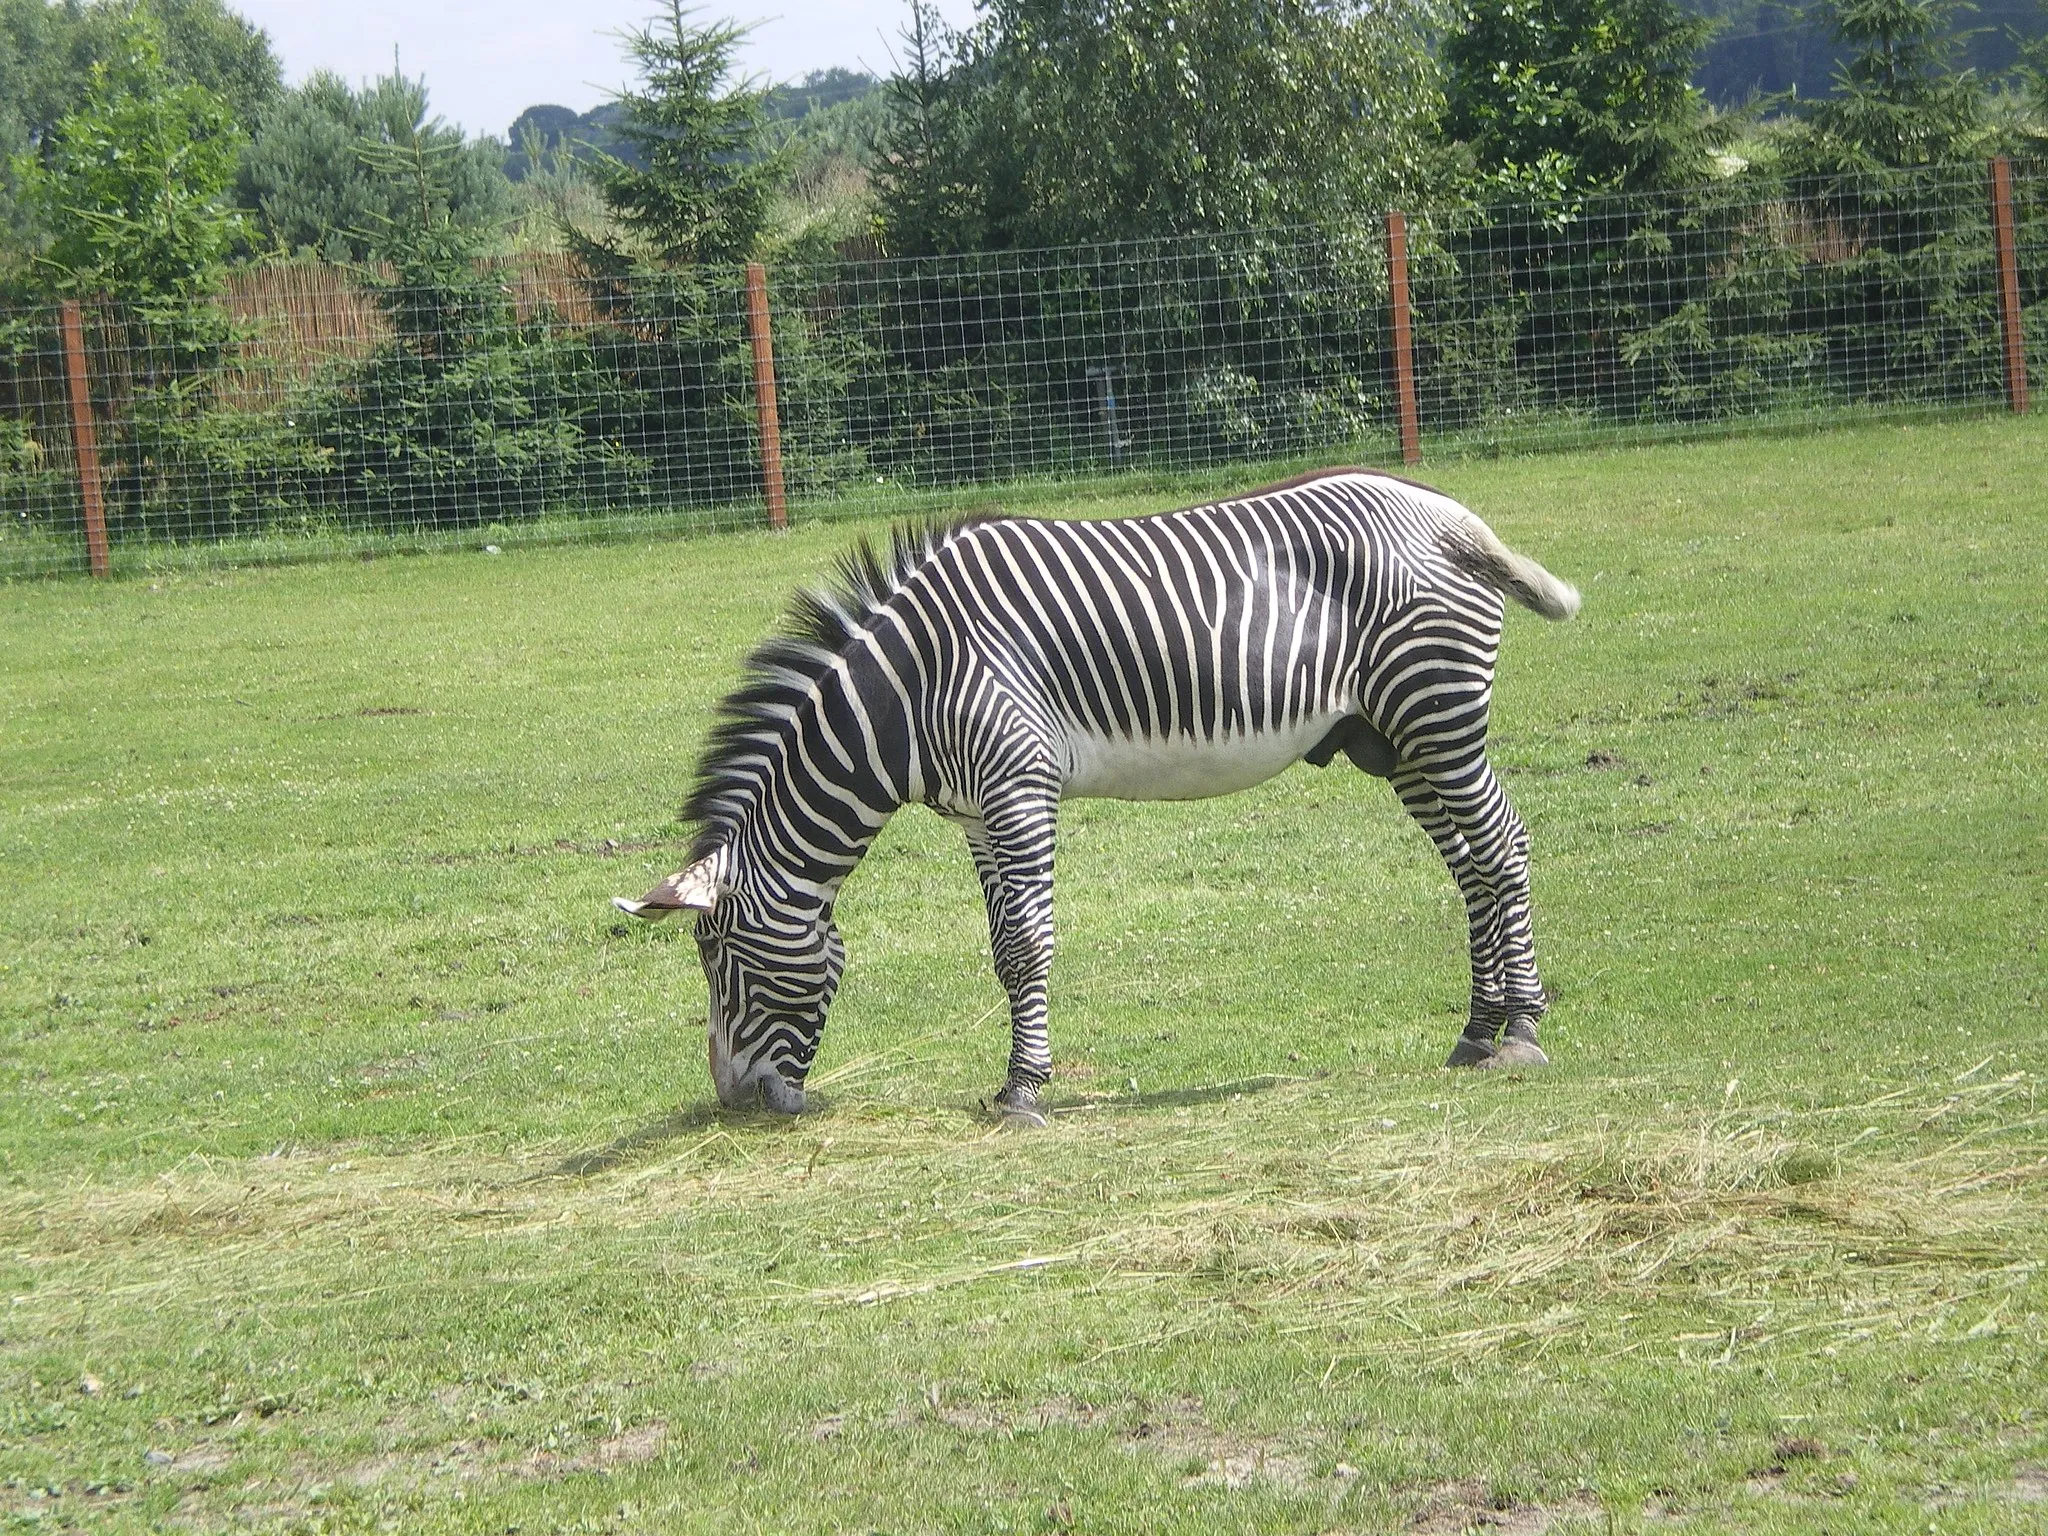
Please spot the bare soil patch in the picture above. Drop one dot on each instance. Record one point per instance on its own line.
(1453, 1509)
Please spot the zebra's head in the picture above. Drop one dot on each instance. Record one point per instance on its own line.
(771, 970)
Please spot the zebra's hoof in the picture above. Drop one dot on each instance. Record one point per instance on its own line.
(1472, 1052)
(1514, 1052)
(1019, 1107)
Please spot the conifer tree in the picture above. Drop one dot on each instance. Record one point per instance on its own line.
(316, 177)
(1898, 101)
(702, 190)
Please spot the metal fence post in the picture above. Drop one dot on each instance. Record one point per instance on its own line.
(764, 394)
(83, 443)
(1404, 341)
(2009, 285)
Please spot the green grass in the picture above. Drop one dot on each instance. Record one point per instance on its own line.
(362, 1167)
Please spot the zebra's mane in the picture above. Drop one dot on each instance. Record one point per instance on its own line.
(821, 622)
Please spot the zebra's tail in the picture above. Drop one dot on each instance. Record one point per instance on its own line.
(1477, 550)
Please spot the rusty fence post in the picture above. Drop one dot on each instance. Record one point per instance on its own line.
(1404, 338)
(2008, 285)
(83, 443)
(764, 395)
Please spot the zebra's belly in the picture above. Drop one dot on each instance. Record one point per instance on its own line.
(1181, 768)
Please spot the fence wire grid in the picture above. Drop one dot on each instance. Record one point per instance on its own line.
(308, 409)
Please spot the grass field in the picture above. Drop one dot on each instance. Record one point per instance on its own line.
(357, 1169)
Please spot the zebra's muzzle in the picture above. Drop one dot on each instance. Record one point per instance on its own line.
(756, 1085)
(766, 1089)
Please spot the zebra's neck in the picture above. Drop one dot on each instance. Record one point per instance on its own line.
(823, 783)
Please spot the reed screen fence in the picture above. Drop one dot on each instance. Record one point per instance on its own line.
(307, 409)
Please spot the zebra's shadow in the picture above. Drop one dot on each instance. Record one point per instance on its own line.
(696, 1119)
(691, 1120)
(1181, 1098)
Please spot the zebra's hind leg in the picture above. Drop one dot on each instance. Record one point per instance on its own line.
(1477, 1044)
(1013, 857)
(1483, 842)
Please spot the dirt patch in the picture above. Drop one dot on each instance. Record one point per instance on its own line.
(1803, 1455)
(628, 1448)
(471, 1460)
(1176, 1432)
(1233, 1462)
(603, 848)
(410, 1063)
(1453, 1509)
(461, 1459)
(31, 1506)
(196, 1460)
(631, 1447)
(990, 1418)
(2029, 1485)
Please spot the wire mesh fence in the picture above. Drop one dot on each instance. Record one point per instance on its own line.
(307, 409)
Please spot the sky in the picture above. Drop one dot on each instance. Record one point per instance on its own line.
(486, 61)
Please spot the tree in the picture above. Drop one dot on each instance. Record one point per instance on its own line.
(2030, 74)
(945, 178)
(696, 179)
(130, 184)
(1572, 96)
(203, 43)
(467, 413)
(47, 54)
(317, 178)
(1052, 121)
(1898, 102)
(128, 191)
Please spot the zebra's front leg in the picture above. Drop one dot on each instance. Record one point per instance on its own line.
(1013, 855)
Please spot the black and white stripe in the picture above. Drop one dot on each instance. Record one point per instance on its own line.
(993, 668)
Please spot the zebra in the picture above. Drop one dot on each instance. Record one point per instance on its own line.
(991, 668)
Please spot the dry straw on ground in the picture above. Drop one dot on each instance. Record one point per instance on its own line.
(1325, 1227)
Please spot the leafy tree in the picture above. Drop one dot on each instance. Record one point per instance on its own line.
(541, 139)
(26, 104)
(695, 180)
(1052, 121)
(819, 91)
(1898, 101)
(317, 176)
(203, 43)
(47, 52)
(128, 190)
(562, 136)
(551, 193)
(1571, 96)
(130, 184)
(828, 125)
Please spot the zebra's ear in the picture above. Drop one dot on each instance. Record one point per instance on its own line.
(695, 889)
